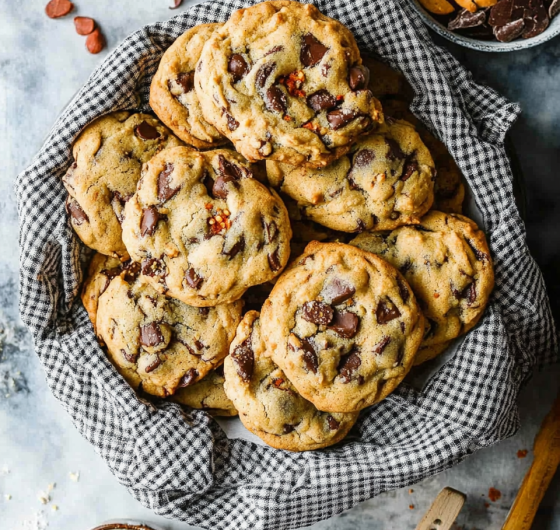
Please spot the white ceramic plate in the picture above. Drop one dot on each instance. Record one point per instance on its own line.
(487, 45)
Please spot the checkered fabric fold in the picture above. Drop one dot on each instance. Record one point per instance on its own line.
(181, 465)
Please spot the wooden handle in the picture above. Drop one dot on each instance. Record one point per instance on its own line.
(545, 462)
(444, 510)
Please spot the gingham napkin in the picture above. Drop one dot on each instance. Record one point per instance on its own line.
(182, 465)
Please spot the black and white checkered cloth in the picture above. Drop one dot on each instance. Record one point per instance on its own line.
(183, 466)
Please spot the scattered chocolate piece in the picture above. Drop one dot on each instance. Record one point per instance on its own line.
(244, 360)
(333, 424)
(466, 19)
(145, 131)
(188, 379)
(95, 41)
(509, 31)
(348, 365)
(150, 218)
(385, 312)
(58, 8)
(165, 191)
(312, 51)
(238, 67)
(84, 25)
(317, 312)
(345, 324)
(193, 279)
(321, 100)
(150, 335)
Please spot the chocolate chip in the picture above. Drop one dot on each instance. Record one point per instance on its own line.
(193, 279)
(263, 74)
(363, 158)
(150, 217)
(386, 312)
(150, 335)
(381, 345)
(130, 357)
(238, 67)
(274, 261)
(188, 378)
(321, 100)
(340, 117)
(204, 310)
(309, 356)
(338, 291)
(232, 123)
(244, 359)
(317, 312)
(348, 365)
(165, 191)
(466, 19)
(185, 81)
(509, 31)
(75, 211)
(358, 77)
(333, 424)
(153, 366)
(199, 345)
(275, 100)
(287, 429)
(403, 290)
(312, 51)
(237, 247)
(345, 324)
(394, 151)
(153, 267)
(409, 168)
(145, 131)
(219, 189)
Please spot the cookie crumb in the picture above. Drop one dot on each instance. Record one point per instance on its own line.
(54, 507)
(487, 505)
(44, 498)
(410, 490)
(8, 497)
(522, 453)
(74, 476)
(494, 494)
(51, 487)
(411, 506)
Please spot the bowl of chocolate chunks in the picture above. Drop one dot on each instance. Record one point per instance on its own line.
(492, 25)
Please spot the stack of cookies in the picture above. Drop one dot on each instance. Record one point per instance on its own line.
(285, 241)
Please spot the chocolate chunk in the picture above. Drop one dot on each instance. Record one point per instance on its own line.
(204, 310)
(501, 13)
(188, 378)
(321, 100)
(309, 356)
(110, 274)
(312, 51)
(232, 123)
(131, 271)
(333, 424)
(275, 100)
(536, 19)
(193, 279)
(345, 324)
(274, 261)
(153, 267)
(130, 357)
(466, 19)
(358, 77)
(153, 366)
(469, 293)
(348, 365)
(145, 131)
(340, 117)
(406, 266)
(317, 312)
(480, 256)
(219, 189)
(394, 151)
(244, 359)
(238, 67)
(237, 247)
(150, 217)
(186, 81)
(509, 31)
(150, 334)
(275, 49)
(363, 158)
(360, 226)
(75, 211)
(409, 168)
(381, 345)
(264, 73)
(165, 191)
(339, 291)
(287, 429)
(403, 290)
(386, 312)
(270, 231)
(229, 170)
(208, 184)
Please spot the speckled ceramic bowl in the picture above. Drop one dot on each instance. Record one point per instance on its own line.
(487, 45)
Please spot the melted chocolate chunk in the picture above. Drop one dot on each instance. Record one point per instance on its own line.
(146, 132)
(309, 356)
(317, 312)
(76, 212)
(219, 189)
(238, 67)
(150, 218)
(188, 378)
(274, 49)
(358, 77)
(332, 423)
(244, 360)
(409, 168)
(274, 261)
(193, 279)
(339, 291)
(130, 357)
(150, 335)
(340, 117)
(263, 74)
(321, 100)
(232, 123)
(381, 345)
(466, 19)
(275, 100)
(348, 365)
(394, 151)
(312, 51)
(469, 293)
(480, 256)
(229, 170)
(386, 312)
(345, 324)
(287, 429)
(186, 81)
(131, 271)
(237, 247)
(153, 366)
(165, 191)
(153, 267)
(403, 290)
(363, 158)
(208, 184)
(110, 274)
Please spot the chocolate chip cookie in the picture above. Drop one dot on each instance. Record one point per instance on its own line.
(343, 325)
(269, 405)
(203, 229)
(208, 395)
(447, 262)
(108, 155)
(284, 82)
(387, 180)
(156, 343)
(172, 94)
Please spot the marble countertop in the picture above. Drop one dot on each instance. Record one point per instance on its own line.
(42, 64)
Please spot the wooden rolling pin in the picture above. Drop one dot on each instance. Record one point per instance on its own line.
(546, 459)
